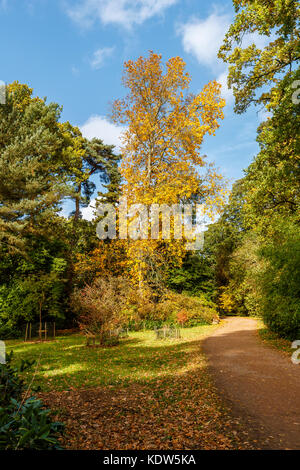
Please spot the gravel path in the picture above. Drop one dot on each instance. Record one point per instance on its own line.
(261, 384)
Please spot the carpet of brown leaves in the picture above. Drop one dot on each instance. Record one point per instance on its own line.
(174, 412)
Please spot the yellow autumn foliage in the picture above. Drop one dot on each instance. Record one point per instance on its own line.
(161, 159)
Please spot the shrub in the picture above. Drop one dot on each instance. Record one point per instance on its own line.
(279, 282)
(282, 316)
(174, 308)
(182, 316)
(11, 385)
(101, 306)
(28, 426)
(9, 330)
(187, 310)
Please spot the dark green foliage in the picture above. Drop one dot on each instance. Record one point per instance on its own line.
(23, 424)
(195, 276)
(28, 426)
(223, 237)
(32, 286)
(11, 385)
(280, 283)
(32, 183)
(108, 169)
(271, 184)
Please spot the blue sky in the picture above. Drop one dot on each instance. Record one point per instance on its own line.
(72, 52)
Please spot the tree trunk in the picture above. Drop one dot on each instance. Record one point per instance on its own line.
(77, 203)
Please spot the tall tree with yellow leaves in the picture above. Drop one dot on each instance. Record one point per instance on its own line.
(166, 125)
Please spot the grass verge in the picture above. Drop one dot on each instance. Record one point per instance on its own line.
(272, 339)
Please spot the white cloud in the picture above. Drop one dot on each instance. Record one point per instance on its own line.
(100, 127)
(226, 93)
(203, 38)
(88, 212)
(99, 57)
(122, 12)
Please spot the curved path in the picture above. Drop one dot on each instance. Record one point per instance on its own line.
(261, 384)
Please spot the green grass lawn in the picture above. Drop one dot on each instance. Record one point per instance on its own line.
(66, 363)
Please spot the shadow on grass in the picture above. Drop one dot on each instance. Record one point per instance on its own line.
(67, 363)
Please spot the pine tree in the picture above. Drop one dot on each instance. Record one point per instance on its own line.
(86, 158)
(32, 182)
